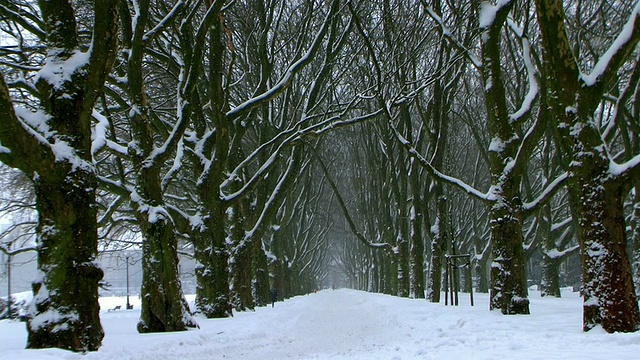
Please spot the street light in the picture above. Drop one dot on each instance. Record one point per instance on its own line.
(129, 306)
(9, 314)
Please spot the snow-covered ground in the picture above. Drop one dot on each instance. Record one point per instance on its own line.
(348, 324)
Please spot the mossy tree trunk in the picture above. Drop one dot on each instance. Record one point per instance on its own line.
(164, 307)
(242, 258)
(65, 310)
(67, 248)
(212, 291)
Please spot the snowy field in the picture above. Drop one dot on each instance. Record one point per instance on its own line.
(348, 324)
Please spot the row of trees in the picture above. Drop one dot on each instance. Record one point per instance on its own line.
(559, 98)
(199, 126)
(184, 121)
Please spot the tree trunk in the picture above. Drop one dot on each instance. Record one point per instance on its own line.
(67, 249)
(440, 236)
(417, 262)
(607, 285)
(483, 279)
(241, 269)
(508, 279)
(403, 267)
(391, 275)
(635, 241)
(261, 289)
(212, 291)
(164, 307)
(417, 242)
(550, 285)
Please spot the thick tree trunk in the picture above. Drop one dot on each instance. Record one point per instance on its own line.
(391, 275)
(550, 284)
(242, 275)
(56, 153)
(261, 289)
(403, 267)
(164, 307)
(212, 291)
(607, 285)
(508, 279)
(65, 309)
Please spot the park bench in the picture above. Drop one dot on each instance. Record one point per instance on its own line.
(115, 308)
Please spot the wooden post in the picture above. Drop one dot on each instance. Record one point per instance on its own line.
(451, 282)
(446, 281)
(470, 279)
(450, 288)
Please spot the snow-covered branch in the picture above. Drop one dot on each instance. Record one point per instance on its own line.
(546, 194)
(624, 44)
(630, 168)
(477, 63)
(164, 22)
(485, 197)
(288, 76)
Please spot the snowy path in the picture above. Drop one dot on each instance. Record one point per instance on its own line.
(347, 324)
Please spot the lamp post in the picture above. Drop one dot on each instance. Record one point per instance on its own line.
(9, 286)
(129, 307)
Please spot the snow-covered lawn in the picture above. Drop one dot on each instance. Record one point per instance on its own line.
(348, 324)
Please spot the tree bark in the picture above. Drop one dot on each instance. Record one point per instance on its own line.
(212, 291)
(164, 307)
(607, 285)
(67, 249)
(550, 285)
(242, 258)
